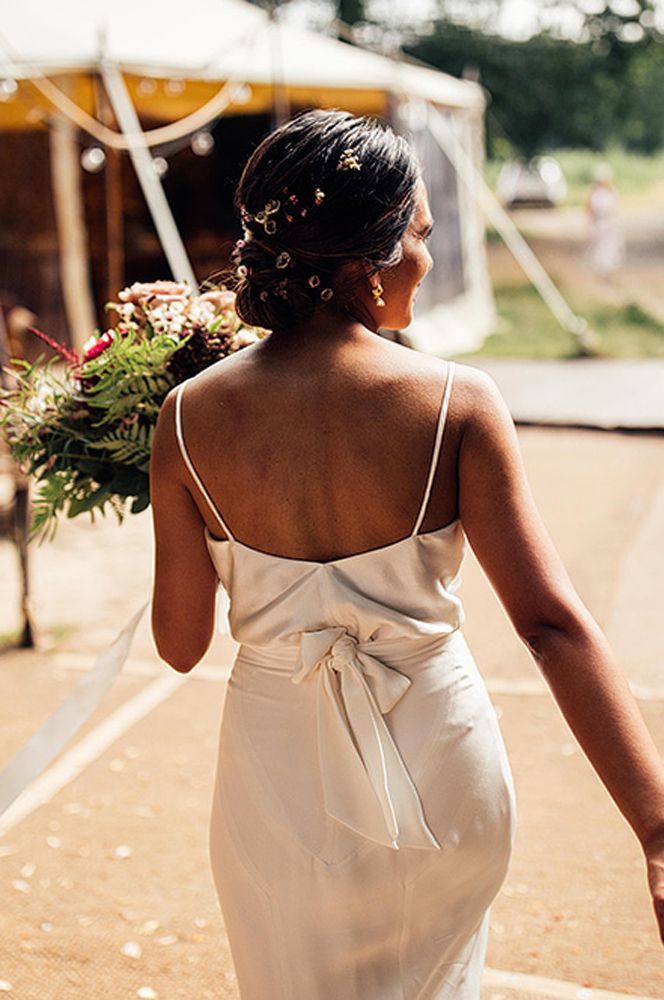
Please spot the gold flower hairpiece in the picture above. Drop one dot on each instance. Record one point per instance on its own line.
(290, 204)
(349, 161)
(263, 217)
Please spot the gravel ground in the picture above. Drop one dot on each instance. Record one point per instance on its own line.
(106, 888)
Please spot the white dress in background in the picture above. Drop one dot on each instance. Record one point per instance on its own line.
(364, 812)
(606, 247)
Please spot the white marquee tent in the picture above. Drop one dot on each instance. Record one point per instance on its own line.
(185, 66)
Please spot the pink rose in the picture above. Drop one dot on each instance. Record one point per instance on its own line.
(154, 292)
(220, 299)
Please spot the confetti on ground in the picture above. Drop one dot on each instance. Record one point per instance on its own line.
(5, 987)
(149, 927)
(21, 885)
(122, 851)
(146, 993)
(53, 842)
(147, 812)
(131, 949)
(76, 809)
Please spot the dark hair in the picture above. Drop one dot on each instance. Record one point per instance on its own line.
(323, 189)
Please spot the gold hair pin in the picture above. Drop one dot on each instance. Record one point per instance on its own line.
(348, 161)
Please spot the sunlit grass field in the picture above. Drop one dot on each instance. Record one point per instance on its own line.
(527, 329)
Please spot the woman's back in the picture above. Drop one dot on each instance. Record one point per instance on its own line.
(322, 450)
(355, 720)
(363, 812)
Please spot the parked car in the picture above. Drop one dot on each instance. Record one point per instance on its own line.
(539, 183)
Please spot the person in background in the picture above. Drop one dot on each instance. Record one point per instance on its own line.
(606, 243)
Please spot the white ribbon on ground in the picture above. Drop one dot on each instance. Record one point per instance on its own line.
(47, 742)
(366, 784)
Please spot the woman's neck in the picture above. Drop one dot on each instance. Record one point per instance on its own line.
(318, 333)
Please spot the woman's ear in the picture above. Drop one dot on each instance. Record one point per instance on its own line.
(353, 275)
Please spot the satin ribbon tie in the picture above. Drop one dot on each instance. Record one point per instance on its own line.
(366, 784)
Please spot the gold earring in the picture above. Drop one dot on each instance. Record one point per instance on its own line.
(377, 292)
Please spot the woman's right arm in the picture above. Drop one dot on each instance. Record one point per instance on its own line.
(508, 536)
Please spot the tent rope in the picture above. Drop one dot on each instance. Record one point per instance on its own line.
(468, 172)
(64, 105)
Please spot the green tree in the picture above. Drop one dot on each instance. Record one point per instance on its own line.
(549, 92)
(350, 11)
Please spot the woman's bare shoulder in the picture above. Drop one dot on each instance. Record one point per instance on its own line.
(477, 401)
(474, 386)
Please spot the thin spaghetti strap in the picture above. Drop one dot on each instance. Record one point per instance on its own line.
(188, 462)
(436, 447)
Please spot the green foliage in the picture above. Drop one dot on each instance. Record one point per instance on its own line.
(633, 173)
(549, 92)
(85, 430)
(527, 329)
(86, 436)
(350, 11)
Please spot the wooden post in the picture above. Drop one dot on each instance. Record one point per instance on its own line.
(15, 518)
(72, 234)
(141, 157)
(115, 256)
(280, 99)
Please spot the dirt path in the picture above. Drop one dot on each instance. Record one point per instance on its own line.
(106, 888)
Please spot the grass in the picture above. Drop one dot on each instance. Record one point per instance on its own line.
(527, 329)
(48, 639)
(58, 633)
(10, 639)
(634, 173)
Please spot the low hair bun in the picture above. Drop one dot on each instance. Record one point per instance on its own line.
(324, 189)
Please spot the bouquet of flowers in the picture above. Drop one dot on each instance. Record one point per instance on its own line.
(83, 425)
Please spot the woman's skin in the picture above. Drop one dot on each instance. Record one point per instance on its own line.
(315, 444)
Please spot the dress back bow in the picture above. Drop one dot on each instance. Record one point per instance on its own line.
(366, 784)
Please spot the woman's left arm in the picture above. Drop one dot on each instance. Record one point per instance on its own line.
(185, 581)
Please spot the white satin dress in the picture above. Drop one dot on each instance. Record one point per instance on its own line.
(364, 812)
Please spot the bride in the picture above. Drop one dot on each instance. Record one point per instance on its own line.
(364, 809)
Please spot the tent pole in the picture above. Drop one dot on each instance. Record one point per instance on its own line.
(280, 101)
(72, 235)
(115, 261)
(160, 210)
(469, 174)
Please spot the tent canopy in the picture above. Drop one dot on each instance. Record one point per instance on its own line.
(190, 48)
(182, 67)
